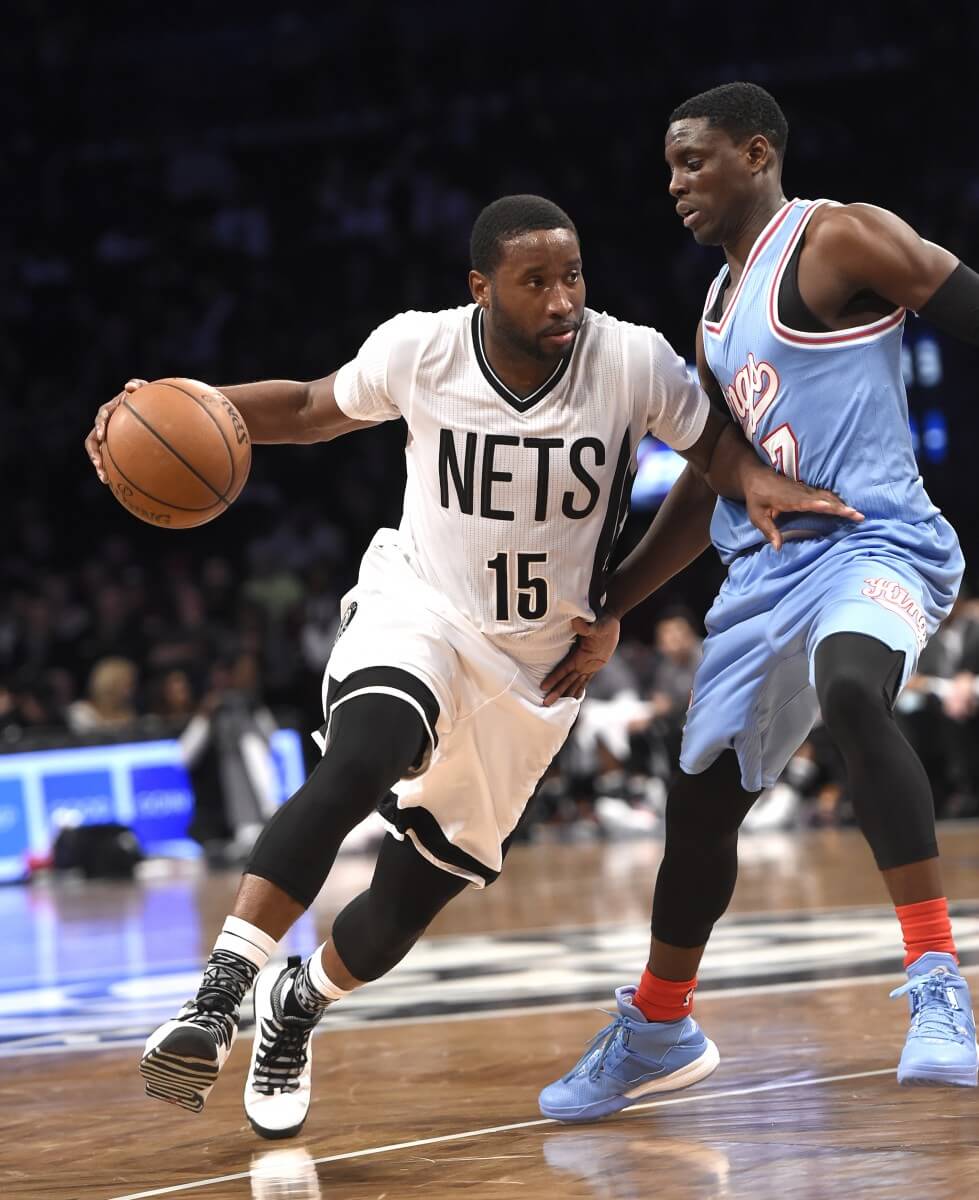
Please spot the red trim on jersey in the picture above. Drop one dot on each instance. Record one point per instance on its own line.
(765, 237)
(831, 337)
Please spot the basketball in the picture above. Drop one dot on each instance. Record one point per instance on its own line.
(177, 453)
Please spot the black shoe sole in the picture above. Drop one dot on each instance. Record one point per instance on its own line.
(275, 1135)
(182, 1069)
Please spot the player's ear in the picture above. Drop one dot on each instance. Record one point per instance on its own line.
(759, 153)
(479, 286)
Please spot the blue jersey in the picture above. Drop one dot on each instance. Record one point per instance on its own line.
(828, 408)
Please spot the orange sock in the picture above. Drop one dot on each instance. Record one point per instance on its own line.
(664, 999)
(925, 927)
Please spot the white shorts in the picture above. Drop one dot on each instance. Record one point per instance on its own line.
(491, 738)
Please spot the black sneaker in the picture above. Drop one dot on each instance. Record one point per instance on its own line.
(182, 1058)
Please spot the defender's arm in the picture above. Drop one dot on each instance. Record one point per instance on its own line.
(680, 531)
(860, 248)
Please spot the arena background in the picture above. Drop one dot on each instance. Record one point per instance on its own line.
(236, 192)
(246, 194)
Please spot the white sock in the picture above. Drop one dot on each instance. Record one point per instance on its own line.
(313, 989)
(320, 980)
(247, 941)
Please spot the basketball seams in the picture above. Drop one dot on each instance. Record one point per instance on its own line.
(217, 425)
(222, 496)
(149, 495)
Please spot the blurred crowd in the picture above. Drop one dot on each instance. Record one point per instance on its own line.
(209, 651)
(278, 180)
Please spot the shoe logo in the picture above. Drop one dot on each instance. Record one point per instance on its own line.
(349, 614)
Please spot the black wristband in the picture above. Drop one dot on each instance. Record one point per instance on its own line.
(954, 308)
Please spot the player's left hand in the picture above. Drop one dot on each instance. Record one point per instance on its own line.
(594, 646)
(768, 494)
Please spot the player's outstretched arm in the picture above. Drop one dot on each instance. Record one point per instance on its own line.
(274, 411)
(281, 411)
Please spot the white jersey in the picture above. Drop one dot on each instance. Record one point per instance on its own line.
(513, 504)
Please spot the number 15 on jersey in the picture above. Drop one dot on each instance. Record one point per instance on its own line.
(530, 589)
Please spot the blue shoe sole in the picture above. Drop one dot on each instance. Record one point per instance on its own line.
(589, 1112)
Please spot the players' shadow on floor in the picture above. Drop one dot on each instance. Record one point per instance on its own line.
(624, 1165)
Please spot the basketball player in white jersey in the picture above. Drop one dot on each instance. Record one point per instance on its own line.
(524, 411)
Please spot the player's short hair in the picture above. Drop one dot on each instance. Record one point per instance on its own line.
(741, 110)
(507, 218)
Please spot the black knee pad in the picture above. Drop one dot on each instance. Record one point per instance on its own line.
(378, 928)
(857, 679)
(375, 740)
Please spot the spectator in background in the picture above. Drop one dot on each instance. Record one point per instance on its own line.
(678, 654)
(108, 703)
(939, 711)
(226, 750)
(171, 698)
(625, 746)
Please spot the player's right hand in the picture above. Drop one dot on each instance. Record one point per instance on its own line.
(594, 645)
(768, 494)
(93, 443)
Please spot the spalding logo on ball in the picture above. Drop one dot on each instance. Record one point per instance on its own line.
(176, 452)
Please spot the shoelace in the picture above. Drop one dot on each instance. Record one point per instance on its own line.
(932, 1011)
(610, 1036)
(227, 977)
(282, 1055)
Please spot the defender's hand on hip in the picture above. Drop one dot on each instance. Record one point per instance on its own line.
(768, 495)
(595, 645)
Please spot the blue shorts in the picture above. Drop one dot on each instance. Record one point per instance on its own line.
(754, 690)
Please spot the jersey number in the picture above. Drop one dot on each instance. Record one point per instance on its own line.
(531, 589)
(783, 450)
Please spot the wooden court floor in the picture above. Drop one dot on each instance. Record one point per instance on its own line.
(428, 1088)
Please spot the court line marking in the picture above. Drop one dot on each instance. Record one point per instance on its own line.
(90, 1044)
(474, 1133)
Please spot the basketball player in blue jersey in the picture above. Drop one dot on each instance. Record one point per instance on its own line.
(801, 340)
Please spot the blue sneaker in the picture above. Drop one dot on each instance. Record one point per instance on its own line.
(941, 1046)
(629, 1060)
